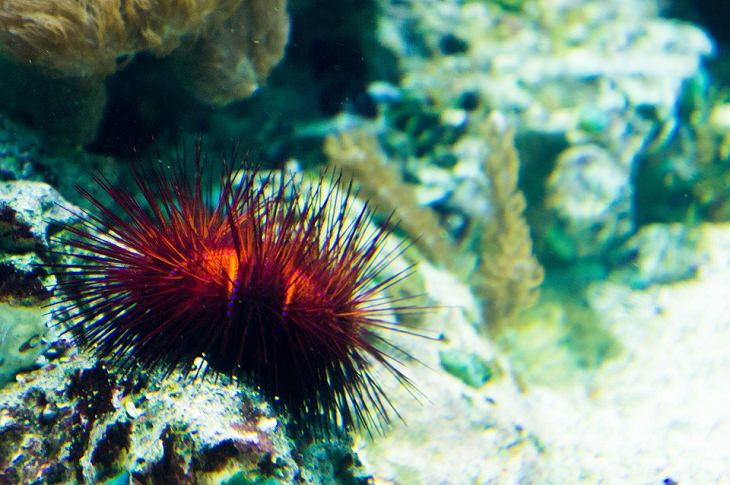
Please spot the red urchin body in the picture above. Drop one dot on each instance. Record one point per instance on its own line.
(280, 289)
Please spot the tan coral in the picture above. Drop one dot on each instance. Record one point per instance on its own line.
(358, 153)
(509, 275)
(221, 67)
(241, 39)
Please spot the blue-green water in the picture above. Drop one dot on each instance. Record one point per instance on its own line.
(558, 170)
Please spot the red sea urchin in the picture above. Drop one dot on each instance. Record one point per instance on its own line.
(281, 289)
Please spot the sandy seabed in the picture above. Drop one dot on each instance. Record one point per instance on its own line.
(658, 412)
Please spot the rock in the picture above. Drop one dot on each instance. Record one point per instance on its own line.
(589, 192)
(70, 422)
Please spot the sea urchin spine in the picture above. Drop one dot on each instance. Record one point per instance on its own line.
(279, 288)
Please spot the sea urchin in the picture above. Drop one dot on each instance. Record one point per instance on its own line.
(278, 287)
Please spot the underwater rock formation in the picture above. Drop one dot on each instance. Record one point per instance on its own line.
(569, 74)
(589, 194)
(661, 254)
(72, 421)
(25, 211)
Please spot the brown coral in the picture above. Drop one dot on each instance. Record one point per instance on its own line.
(235, 42)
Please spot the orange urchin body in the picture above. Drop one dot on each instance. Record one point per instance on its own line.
(280, 289)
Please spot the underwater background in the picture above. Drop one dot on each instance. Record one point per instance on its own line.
(561, 168)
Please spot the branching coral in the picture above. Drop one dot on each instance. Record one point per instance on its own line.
(240, 39)
(509, 275)
(358, 152)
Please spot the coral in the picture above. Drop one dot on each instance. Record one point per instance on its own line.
(87, 38)
(558, 72)
(238, 40)
(220, 67)
(506, 274)
(359, 154)
(509, 275)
